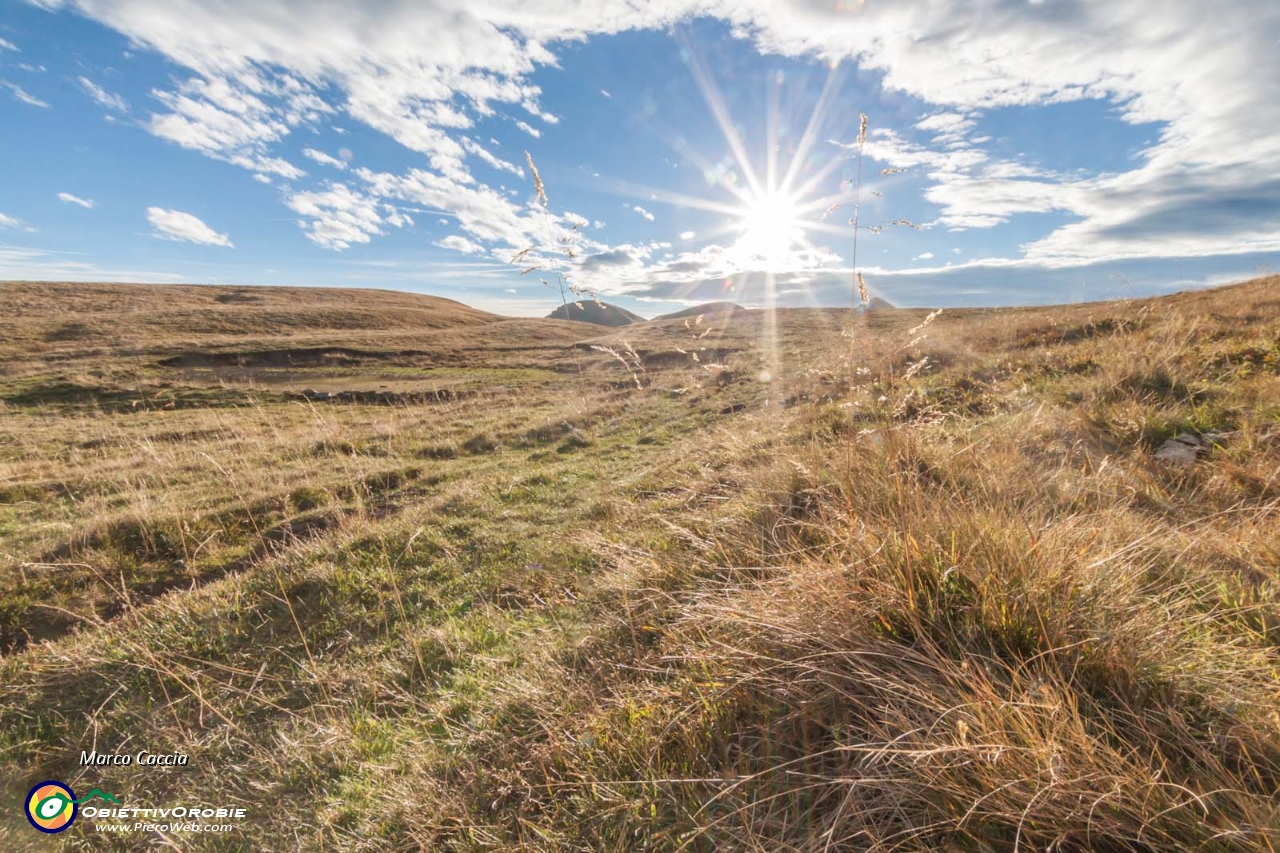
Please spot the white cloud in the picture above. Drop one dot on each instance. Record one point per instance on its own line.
(532, 131)
(888, 147)
(23, 95)
(339, 216)
(86, 203)
(267, 165)
(649, 271)
(461, 244)
(640, 210)
(226, 119)
(107, 99)
(395, 217)
(605, 92)
(423, 73)
(982, 202)
(688, 235)
(9, 221)
(183, 227)
(478, 150)
(261, 178)
(923, 256)
(323, 158)
(946, 127)
(485, 214)
(7, 45)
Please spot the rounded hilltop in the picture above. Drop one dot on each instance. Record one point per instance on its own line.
(599, 313)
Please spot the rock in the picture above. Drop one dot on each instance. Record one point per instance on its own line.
(1187, 448)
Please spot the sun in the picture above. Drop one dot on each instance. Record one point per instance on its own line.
(770, 216)
(771, 225)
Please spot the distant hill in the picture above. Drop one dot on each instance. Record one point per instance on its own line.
(878, 304)
(154, 311)
(599, 313)
(247, 327)
(715, 308)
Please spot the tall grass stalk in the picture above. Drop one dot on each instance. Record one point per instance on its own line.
(859, 288)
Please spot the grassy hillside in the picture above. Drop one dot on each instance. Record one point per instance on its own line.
(840, 581)
(43, 319)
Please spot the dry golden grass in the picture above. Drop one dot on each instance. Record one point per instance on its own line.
(925, 590)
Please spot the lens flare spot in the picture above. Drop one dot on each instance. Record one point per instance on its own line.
(771, 227)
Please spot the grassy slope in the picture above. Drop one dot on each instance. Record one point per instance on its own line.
(830, 607)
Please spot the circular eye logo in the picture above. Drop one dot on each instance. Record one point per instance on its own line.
(51, 806)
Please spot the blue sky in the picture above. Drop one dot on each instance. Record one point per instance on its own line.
(1043, 151)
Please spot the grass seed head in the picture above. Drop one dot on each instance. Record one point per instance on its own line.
(537, 180)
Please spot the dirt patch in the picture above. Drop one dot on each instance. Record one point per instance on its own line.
(308, 357)
(664, 359)
(70, 332)
(65, 394)
(238, 296)
(385, 398)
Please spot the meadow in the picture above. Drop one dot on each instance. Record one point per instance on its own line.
(399, 574)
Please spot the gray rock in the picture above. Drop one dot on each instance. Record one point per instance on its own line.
(1187, 448)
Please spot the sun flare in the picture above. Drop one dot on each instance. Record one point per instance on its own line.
(771, 225)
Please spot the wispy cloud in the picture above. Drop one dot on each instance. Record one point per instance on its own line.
(184, 227)
(23, 95)
(323, 158)
(86, 203)
(20, 262)
(640, 210)
(484, 213)
(227, 120)
(475, 148)
(947, 127)
(527, 128)
(107, 99)
(5, 44)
